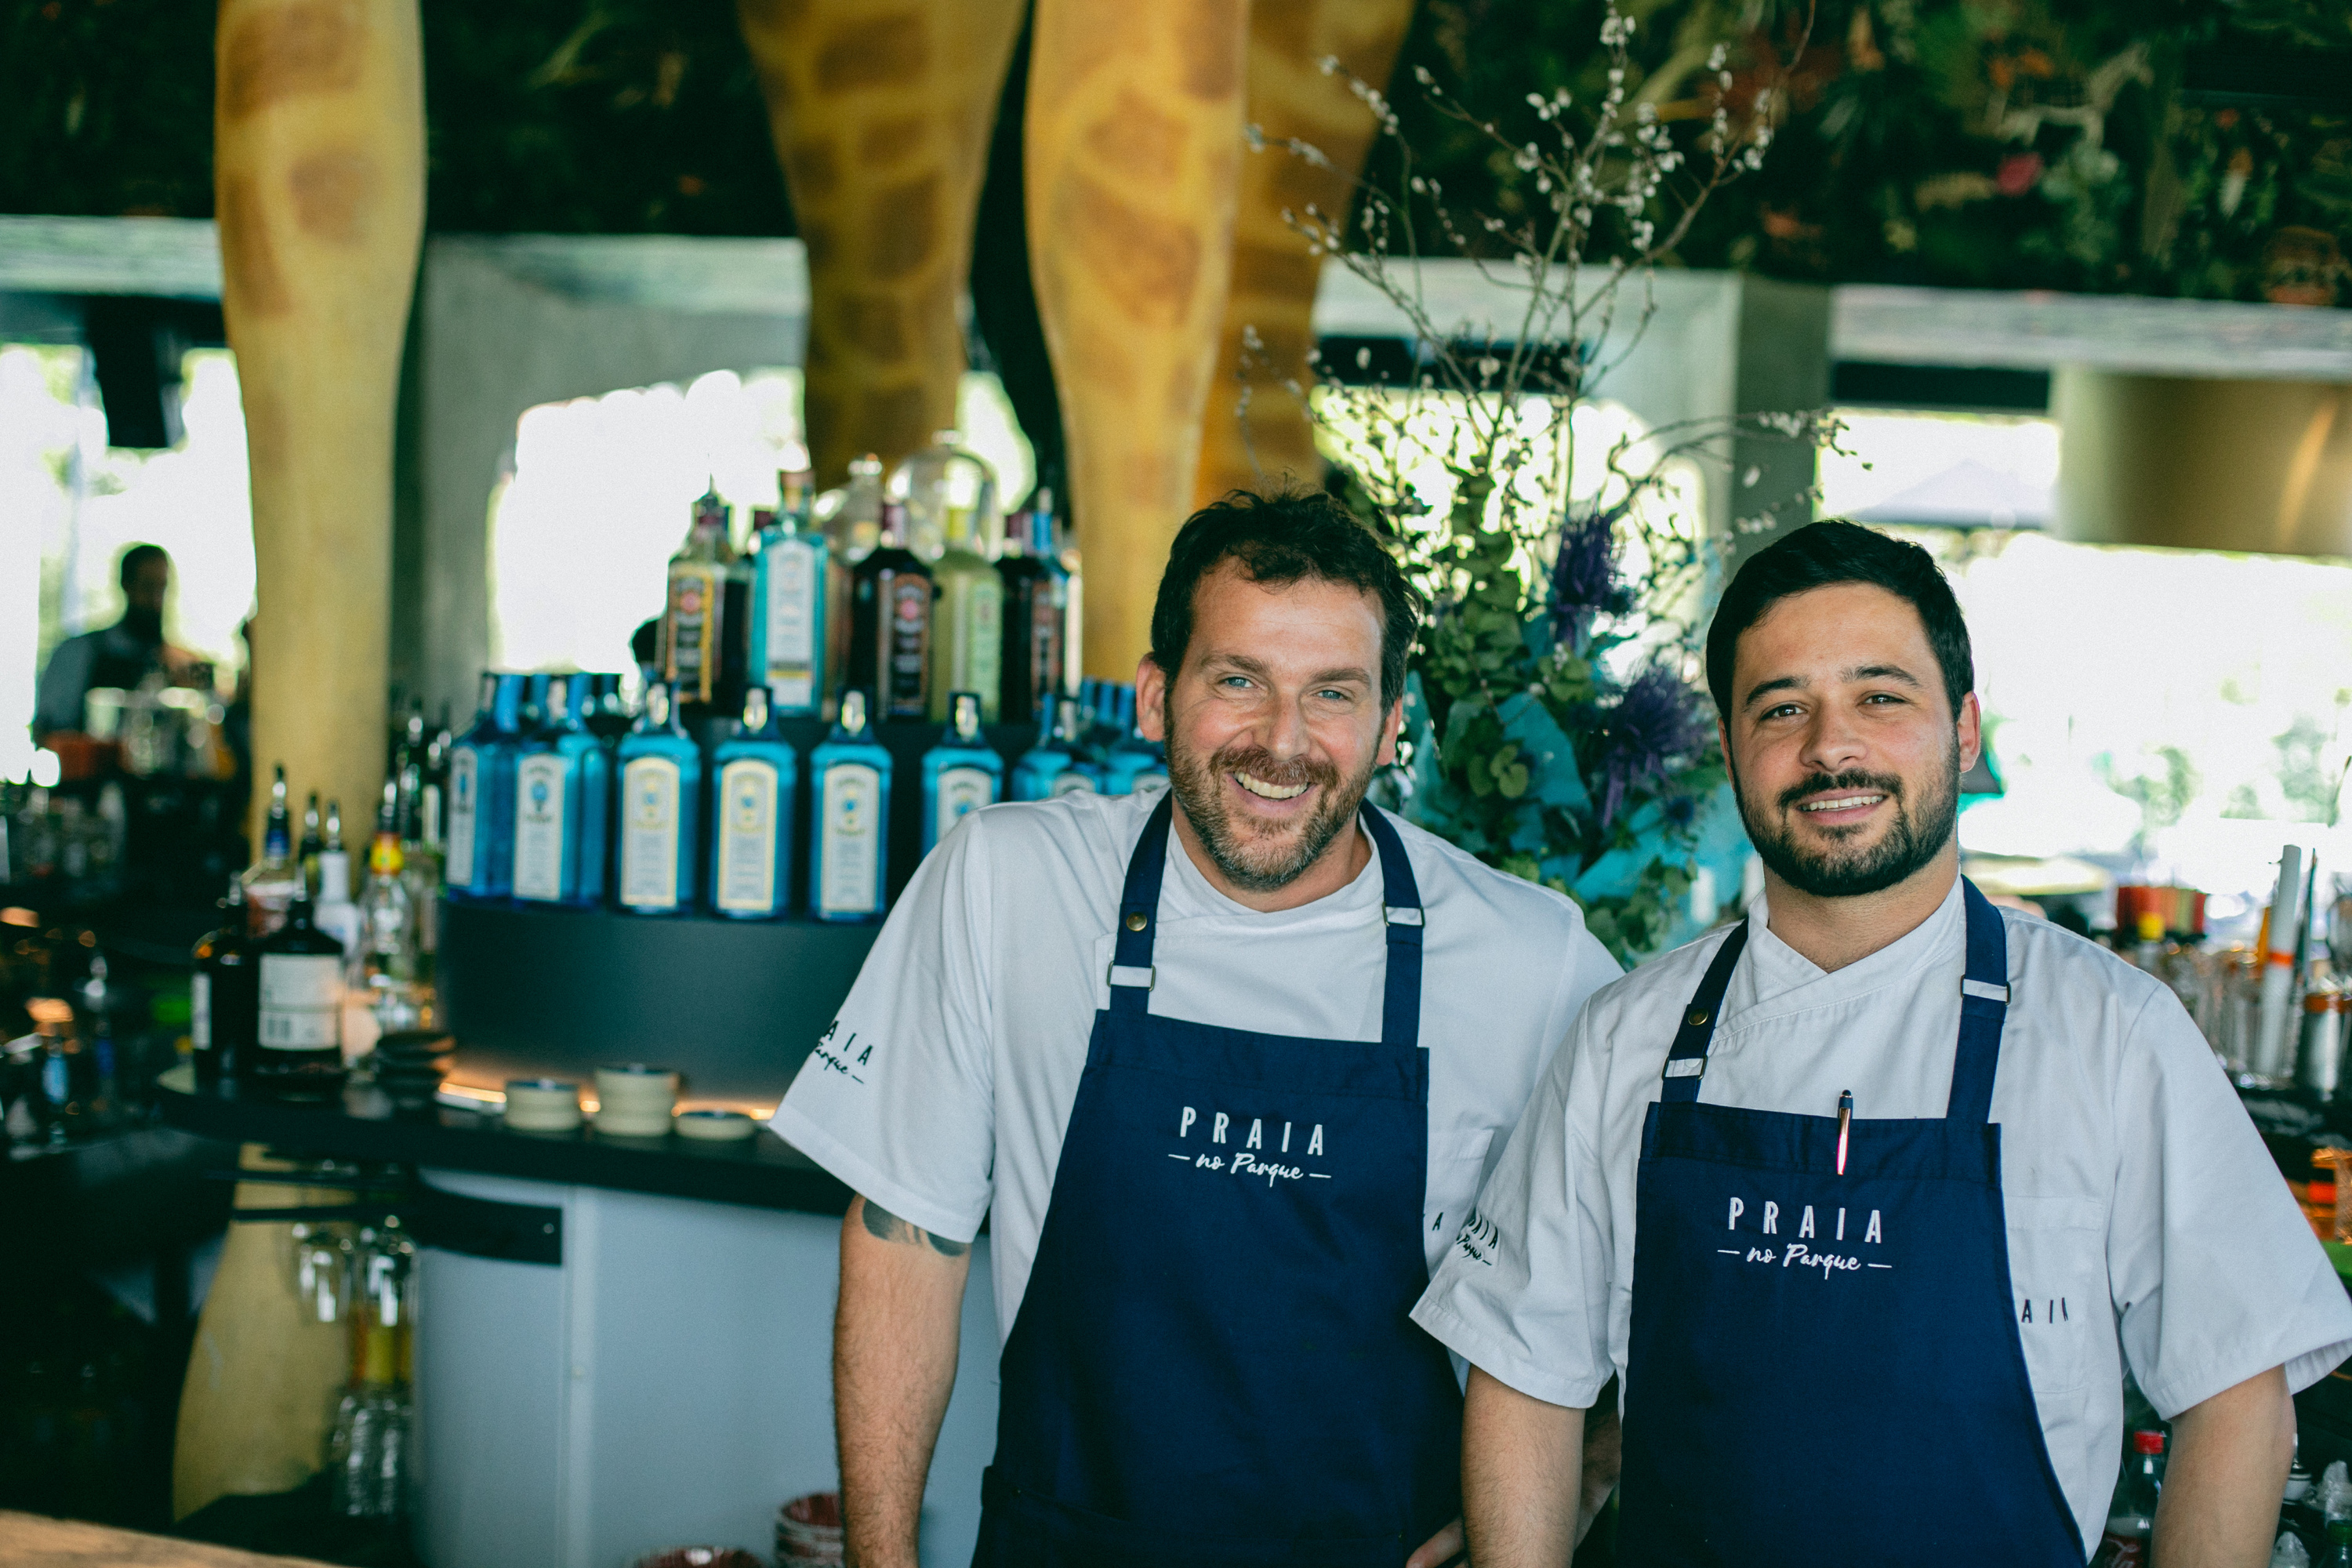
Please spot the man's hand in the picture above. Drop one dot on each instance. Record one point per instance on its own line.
(1439, 1550)
(2230, 1459)
(1522, 1472)
(894, 1361)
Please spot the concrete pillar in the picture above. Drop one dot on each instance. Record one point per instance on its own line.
(1131, 151)
(318, 176)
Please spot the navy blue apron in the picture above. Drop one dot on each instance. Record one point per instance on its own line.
(1213, 1363)
(1825, 1368)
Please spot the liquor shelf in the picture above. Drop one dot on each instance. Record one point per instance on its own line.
(760, 1172)
(531, 992)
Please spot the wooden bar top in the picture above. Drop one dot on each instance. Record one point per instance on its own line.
(29, 1540)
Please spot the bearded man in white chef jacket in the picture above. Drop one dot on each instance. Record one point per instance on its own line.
(1867, 1202)
(1221, 1064)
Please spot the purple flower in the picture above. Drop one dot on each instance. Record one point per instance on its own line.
(1653, 724)
(1584, 573)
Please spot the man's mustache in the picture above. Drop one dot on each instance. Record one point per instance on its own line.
(1262, 765)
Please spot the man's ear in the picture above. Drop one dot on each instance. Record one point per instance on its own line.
(1151, 699)
(1391, 727)
(1971, 732)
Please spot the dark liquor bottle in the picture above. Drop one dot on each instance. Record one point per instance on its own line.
(890, 633)
(299, 1051)
(1037, 614)
(221, 996)
(693, 623)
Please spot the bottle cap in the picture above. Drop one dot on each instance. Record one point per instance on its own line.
(2147, 1442)
(853, 711)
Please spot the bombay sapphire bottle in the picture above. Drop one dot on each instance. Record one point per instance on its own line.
(788, 607)
(480, 856)
(661, 784)
(1057, 764)
(755, 776)
(562, 779)
(1132, 763)
(849, 830)
(961, 773)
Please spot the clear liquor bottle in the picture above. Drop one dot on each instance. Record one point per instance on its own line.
(851, 521)
(788, 597)
(562, 779)
(961, 773)
(935, 484)
(334, 912)
(754, 778)
(1058, 764)
(661, 786)
(306, 853)
(270, 881)
(967, 619)
(221, 995)
(1035, 615)
(391, 960)
(693, 622)
(298, 1048)
(891, 633)
(849, 827)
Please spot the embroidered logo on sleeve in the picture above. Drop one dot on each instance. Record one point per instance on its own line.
(1481, 1240)
(846, 1058)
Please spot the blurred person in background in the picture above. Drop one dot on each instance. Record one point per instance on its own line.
(117, 655)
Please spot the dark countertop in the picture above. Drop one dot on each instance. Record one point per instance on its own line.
(761, 1172)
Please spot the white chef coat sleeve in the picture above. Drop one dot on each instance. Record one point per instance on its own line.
(898, 1098)
(1523, 1294)
(2215, 1273)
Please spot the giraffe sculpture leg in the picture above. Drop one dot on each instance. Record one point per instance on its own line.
(318, 176)
(1131, 148)
(880, 113)
(1275, 278)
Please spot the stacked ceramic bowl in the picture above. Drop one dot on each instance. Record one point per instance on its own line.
(409, 1065)
(808, 1532)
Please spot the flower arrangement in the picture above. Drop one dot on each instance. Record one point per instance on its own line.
(1553, 727)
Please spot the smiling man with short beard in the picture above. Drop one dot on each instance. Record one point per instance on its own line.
(1222, 1065)
(1865, 1204)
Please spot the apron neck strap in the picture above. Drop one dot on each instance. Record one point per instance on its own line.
(1687, 1060)
(1400, 915)
(1984, 1007)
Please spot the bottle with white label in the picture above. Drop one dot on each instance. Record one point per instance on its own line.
(754, 776)
(1058, 764)
(299, 1044)
(661, 792)
(479, 861)
(788, 605)
(967, 619)
(562, 780)
(849, 825)
(961, 773)
(220, 994)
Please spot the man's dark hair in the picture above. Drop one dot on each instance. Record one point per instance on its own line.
(135, 557)
(1819, 555)
(1280, 539)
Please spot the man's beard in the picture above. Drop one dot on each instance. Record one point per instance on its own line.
(1258, 861)
(1910, 841)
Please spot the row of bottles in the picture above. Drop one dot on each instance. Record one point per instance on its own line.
(909, 591)
(298, 941)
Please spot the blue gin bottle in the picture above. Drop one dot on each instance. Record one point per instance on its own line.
(754, 776)
(562, 781)
(1132, 763)
(788, 607)
(849, 830)
(961, 773)
(480, 850)
(661, 788)
(1057, 764)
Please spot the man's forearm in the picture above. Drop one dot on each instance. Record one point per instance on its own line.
(1522, 1468)
(2230, 1459)
(894, 1361)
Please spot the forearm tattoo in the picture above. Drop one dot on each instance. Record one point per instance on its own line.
(883, 1225)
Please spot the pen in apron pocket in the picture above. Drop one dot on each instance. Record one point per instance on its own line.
(1845, 1124)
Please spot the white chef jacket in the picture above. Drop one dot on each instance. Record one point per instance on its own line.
(2147, 1222)
(942, 1091)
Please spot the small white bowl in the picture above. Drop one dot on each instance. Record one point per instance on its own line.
(542, 1105)
(714, 1126)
